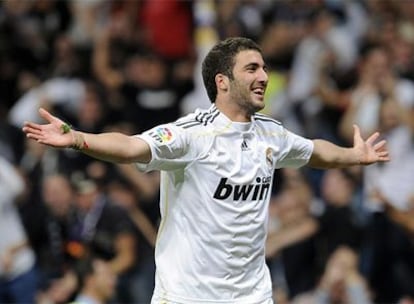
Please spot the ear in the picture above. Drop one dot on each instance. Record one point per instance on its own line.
(222, 82)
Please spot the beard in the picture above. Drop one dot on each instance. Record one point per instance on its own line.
(243, 96)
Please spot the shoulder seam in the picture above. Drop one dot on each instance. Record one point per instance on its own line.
(190, 124)
(208, 116)
(262, 117)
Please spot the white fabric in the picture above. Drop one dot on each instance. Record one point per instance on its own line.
(369, 104)
(394, 179)
(215, 189)
(56, 91)
(12, 230)
(85, 299)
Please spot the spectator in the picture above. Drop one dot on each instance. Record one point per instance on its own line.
(338, 222)
(139, 280)
(168, 28)
(96, 280)
(50, 236)
(327, 37)
(18, 274)
(341, 282)
(386, 241)
(377, 82)
(11, 141)
(103, 229)
(398, 247)
(293, 244)
(146, 85)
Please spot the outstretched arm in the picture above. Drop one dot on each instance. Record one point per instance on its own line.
(328, 155)
(113, 147)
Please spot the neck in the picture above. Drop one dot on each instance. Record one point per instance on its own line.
(233, 111)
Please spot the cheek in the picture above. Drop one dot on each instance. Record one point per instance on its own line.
(240, 88)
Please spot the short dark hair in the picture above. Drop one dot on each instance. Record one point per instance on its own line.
(84, 268)
(220, 60)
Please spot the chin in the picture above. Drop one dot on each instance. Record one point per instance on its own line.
(258, 101)
(256, 108)
(259, 105)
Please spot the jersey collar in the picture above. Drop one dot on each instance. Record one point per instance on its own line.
(222, 119)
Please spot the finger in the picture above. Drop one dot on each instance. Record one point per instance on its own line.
(32, 125)
(357, 134)
(380, 145)
(372, 138)
(30, 130)
(356, 130)
(34, 136)
(47, 116)
(384, 158)
(384, 154)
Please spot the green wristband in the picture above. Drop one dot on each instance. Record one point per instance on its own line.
(65, 128)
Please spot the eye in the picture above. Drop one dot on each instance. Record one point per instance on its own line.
(251, 68)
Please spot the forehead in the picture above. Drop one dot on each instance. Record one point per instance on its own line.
(246, 57)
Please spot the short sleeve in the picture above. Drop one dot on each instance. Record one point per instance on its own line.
(296, 150)
(170, 148)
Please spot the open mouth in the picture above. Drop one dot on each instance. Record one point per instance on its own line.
(259, 91)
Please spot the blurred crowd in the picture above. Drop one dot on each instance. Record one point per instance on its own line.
(73, 228)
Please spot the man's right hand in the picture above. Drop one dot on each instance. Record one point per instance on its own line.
(51, 134)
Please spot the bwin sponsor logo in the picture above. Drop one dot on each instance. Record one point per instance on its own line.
(251, 192)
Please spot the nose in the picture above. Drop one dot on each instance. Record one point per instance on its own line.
(262, 76)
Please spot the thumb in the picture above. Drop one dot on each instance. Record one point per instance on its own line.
(357, 134)
(47, 116)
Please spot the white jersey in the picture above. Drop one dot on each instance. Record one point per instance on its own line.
(216, 178)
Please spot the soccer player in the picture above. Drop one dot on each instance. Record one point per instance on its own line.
(96, 280)
(216, 172)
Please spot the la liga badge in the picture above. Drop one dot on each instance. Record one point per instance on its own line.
(162, 134)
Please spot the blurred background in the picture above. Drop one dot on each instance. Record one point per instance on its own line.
(335, 236)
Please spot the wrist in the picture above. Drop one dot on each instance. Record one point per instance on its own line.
(356, 157)
(78, 141)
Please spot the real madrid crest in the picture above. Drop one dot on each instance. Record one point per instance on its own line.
(269, 157)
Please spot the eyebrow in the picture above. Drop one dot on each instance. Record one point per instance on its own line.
(255, 65)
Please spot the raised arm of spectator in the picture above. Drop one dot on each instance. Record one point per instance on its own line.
(110, 77)
(403, 218)
(10, 179)
(287, 236)
(125, 252)
(147, 185)
(364, 152)
(113, 147)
